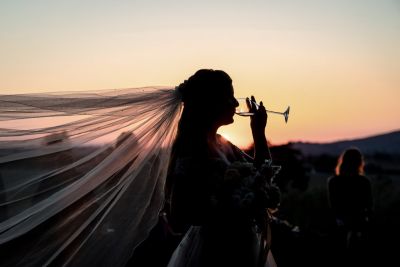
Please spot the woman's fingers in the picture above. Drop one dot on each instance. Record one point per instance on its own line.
(262, 110)
(253, 99)
(253, 107)
(249, 105)
(261, 107)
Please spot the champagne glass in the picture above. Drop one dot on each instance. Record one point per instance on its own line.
(243, 109)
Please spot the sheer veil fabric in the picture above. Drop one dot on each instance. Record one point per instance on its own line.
(82, 174)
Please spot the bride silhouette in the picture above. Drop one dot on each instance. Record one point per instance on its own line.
(203, 200)
(78, 204)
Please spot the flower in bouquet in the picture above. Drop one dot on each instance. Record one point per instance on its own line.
(249, 188)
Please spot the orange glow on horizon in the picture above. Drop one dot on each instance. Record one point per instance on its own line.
(335, 63)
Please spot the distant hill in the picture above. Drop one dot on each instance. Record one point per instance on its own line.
(388, 143)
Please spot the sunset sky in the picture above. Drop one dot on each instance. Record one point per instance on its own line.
(336, 63)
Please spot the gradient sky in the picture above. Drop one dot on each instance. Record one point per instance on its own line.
(336, 63)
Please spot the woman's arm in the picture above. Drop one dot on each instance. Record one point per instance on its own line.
(258, 123)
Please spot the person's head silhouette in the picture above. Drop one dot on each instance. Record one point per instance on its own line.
(351, 162)
(208, 98)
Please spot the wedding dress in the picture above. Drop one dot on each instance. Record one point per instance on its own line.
(188, 253)
(222, 202)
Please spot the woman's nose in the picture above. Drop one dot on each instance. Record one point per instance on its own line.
(236, 103)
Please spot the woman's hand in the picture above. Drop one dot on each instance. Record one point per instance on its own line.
(258, 121)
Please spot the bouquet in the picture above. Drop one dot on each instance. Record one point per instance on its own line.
(250, 192)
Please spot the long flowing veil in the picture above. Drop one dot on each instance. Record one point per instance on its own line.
(82, 174)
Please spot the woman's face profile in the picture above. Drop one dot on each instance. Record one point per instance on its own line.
(210, 97)
(225, 105)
